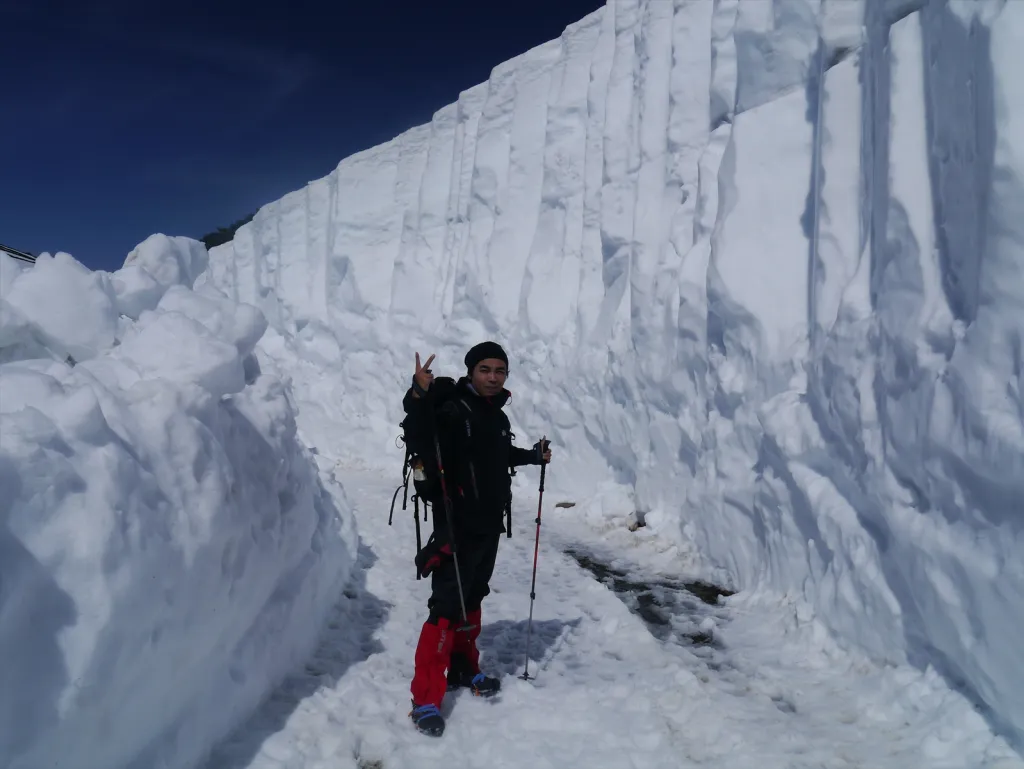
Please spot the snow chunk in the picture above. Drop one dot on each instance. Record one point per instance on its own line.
(241, 324)
(10, 268)
(154, 266)
(168, 548)
(211, 362)
(135, 290)
(68, 307)
(170, 260)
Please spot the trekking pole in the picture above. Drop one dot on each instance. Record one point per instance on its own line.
(451, 529)
(536, 546)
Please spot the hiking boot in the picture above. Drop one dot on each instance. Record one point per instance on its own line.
(484, 686)
(464, 665)
(478, 683)
(428, 719)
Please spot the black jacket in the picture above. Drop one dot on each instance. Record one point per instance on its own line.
(476, 450)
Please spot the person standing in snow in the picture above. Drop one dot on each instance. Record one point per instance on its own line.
(477, 452)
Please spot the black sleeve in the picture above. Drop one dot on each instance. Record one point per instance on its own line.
(418, 413)
(439, 391)
(428, 413)
(522, 457)
(412, 404)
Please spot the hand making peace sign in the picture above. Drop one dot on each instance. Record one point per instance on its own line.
(423, 375)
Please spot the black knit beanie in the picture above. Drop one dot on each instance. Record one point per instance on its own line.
(483, 351)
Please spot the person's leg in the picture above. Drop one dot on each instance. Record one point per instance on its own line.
(430, 681)
(440, 632)
(483, 570)
(433, 652)
(465, 656)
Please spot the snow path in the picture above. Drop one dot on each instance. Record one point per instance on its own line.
(771, 692)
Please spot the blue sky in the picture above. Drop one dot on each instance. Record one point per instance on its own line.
(121, 119)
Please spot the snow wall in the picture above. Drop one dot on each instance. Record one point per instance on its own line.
(760, 270)
(167, 550)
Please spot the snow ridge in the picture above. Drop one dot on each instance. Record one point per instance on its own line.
(758, 267)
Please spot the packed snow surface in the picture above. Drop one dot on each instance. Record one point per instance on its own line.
(168, 551)
(617, 681)
(758, 266)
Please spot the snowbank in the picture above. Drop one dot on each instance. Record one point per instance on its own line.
(759, 270)
(167, 550)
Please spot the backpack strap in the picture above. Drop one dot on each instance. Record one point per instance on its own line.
(512, 472)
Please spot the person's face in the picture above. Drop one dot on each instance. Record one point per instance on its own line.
(489, 376)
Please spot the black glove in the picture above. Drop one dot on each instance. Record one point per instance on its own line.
(539, 449)
(433, 554)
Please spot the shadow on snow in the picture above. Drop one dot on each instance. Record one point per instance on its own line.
(347, 640)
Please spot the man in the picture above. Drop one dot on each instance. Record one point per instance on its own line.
(477, 452)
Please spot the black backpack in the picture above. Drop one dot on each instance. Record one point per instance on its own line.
(420, 464)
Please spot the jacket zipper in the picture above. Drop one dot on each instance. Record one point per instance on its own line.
(472, 469)
(472, 475)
